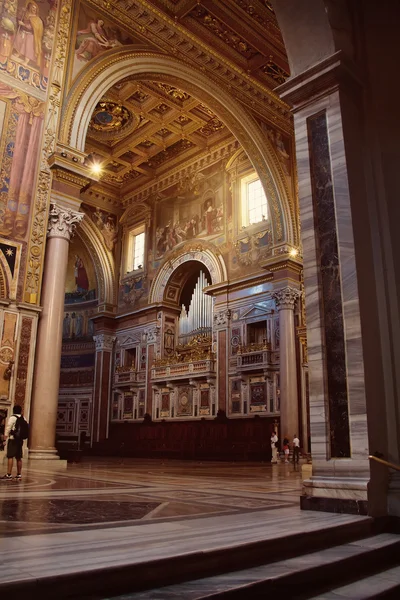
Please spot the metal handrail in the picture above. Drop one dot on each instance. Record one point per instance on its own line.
(385, 462)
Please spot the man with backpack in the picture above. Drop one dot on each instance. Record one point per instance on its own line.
(17, 430)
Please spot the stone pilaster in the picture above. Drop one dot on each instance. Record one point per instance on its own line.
(61, 226)
(285, 300)
(338, 418)
(102, 385)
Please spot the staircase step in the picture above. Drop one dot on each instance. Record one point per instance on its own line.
(181, 565)
(385, 584)
(290, 577)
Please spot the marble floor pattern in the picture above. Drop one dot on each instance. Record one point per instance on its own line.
(102, 512)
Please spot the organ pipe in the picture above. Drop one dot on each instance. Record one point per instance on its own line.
(197, 320)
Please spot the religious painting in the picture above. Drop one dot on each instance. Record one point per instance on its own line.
(81, 277)
(22, 131)
(94, 36)
(106, 223)
(282, 145)
(133, 291)
(27, 31)
(192, 209)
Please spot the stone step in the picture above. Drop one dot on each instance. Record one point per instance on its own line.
(180, 566)
(299, 577)
(384, 585)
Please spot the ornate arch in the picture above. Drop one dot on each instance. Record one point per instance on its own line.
(112, 66)
(103, 261)
(199, 252)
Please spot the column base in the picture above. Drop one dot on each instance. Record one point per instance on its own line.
(334, 494)
(48, 458)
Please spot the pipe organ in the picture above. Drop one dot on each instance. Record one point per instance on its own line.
(197, 320)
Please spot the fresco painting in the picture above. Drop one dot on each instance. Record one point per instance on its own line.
(22, 133)
(27, 31)
(194, 211)
(94, 36)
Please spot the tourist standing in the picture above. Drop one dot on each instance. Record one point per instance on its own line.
(274, 448)
(296, 449)
(286, 448)
(15, 433)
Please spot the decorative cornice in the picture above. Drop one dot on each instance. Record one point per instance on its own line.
(275, 264)
(320, 80)
(286, 297)
(62, 222)
(66, 175)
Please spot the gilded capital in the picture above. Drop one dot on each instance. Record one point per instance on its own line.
(62, 222)
(286, 297)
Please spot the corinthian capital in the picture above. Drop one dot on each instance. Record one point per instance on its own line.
(104, 342)
(62, 222)
(286, 297)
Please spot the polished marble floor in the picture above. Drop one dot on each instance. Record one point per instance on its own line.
(107, 492)
(101, 513)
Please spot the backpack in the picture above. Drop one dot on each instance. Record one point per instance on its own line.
(21, 429)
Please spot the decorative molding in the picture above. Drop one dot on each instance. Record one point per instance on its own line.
(104, 342)
(69, 177)
(41, 203)
(62, 222)
(167, 34)
(286, 297)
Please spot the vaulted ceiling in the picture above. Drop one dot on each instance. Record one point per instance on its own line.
(140, 129)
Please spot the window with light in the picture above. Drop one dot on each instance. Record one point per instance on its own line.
(254, 201)
(135, 253)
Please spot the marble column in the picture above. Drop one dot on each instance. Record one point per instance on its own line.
(61, 226)
(102, 387)
(285, 300)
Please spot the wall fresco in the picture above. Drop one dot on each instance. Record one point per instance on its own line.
(22, 131)
(26, 40)
(94, 35)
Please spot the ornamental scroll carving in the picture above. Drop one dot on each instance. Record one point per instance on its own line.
(104, 342)
(286, 297)
(62, 222)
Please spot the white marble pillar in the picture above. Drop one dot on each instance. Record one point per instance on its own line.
(285, 299)
(61, 226)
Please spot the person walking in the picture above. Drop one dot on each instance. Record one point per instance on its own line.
(296, 449)
(15, 433)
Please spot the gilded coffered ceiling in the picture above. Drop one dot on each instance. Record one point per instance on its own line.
(142, 129)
